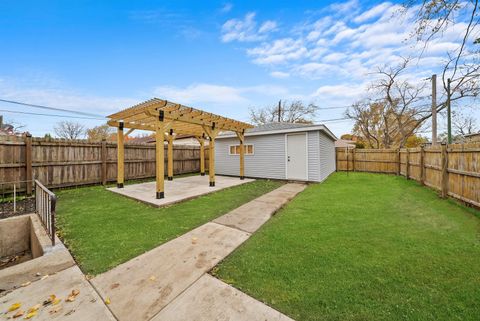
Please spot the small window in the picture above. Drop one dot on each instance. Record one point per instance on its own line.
(235, 149)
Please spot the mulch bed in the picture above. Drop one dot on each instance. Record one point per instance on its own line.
(23, 206)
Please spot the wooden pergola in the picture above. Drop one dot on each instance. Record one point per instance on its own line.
(167, 119)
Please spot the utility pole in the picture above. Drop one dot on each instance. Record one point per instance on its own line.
(449, 112)
(279, 110)
(434, 110)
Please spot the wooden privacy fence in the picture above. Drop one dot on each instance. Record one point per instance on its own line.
(62, 163)
(454, 170)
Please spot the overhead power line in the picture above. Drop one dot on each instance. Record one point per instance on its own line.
(50, 115)
(50, 108)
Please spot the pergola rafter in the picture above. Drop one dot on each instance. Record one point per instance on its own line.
(168, 119)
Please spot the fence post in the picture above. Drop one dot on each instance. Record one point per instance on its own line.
(28, 163)
(444, 170)
(422, 165)
(407, 165)
(353, 158)
(399, 162)
(104, 161)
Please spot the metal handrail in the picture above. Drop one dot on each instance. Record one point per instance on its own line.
(45, 205)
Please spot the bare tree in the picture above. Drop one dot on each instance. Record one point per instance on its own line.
(290, 112)
(393, 113)
(403, 111)
(462, 64)
(69, 130)
(463, 124)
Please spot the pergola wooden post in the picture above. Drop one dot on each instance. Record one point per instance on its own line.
(120, 156)
(170, 155)
(241, 137)
(201, 141)
(212, 134)
(162, 116)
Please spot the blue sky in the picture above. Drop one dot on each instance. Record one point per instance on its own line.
(223, 57)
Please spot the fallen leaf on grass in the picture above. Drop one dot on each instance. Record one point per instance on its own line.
(18, 314)
(31, 315)
(14, 307)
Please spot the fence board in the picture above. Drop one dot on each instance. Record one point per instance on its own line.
(60, 163)
(462, 179)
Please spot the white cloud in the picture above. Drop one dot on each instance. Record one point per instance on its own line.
(213, 94)
(51, 93)
(227, 7)
(245, 29)
(372, 13)
(340, 91)
(268, 26)
(279, 51)
(279, 74)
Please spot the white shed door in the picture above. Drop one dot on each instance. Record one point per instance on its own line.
(297, 156)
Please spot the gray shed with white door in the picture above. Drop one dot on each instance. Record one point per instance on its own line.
(279, 151)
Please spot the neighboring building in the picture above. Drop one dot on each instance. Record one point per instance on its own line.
(279, 151)
(472, 138)
(344, 143)
(188, 140)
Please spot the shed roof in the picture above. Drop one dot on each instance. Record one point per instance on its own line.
(186, 120)
(279, 128)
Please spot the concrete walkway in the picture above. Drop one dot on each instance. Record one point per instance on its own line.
(170, 281)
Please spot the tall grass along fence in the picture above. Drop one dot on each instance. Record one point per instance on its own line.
(62, 163)
(453, 170)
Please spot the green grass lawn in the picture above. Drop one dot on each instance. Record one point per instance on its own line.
(103, 229)
(364, 247)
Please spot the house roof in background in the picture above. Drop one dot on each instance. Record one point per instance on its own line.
(344, 143)
(279, 128)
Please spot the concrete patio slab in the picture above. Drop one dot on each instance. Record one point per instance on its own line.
(87, 305)
(140, 288)
(252, 215)
(180, 189)
(210, 299)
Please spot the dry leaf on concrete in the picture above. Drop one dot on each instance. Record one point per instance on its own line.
(31, 315)
(34, 308)
(152, 278)
(18, 314)
(50, 300)
(25, 284)
(14, 307)
(56, 309)
(71, 297)
(107, 301)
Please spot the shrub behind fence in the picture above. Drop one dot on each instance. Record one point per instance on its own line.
(453, 170)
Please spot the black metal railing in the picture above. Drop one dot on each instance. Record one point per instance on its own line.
(45, 203)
